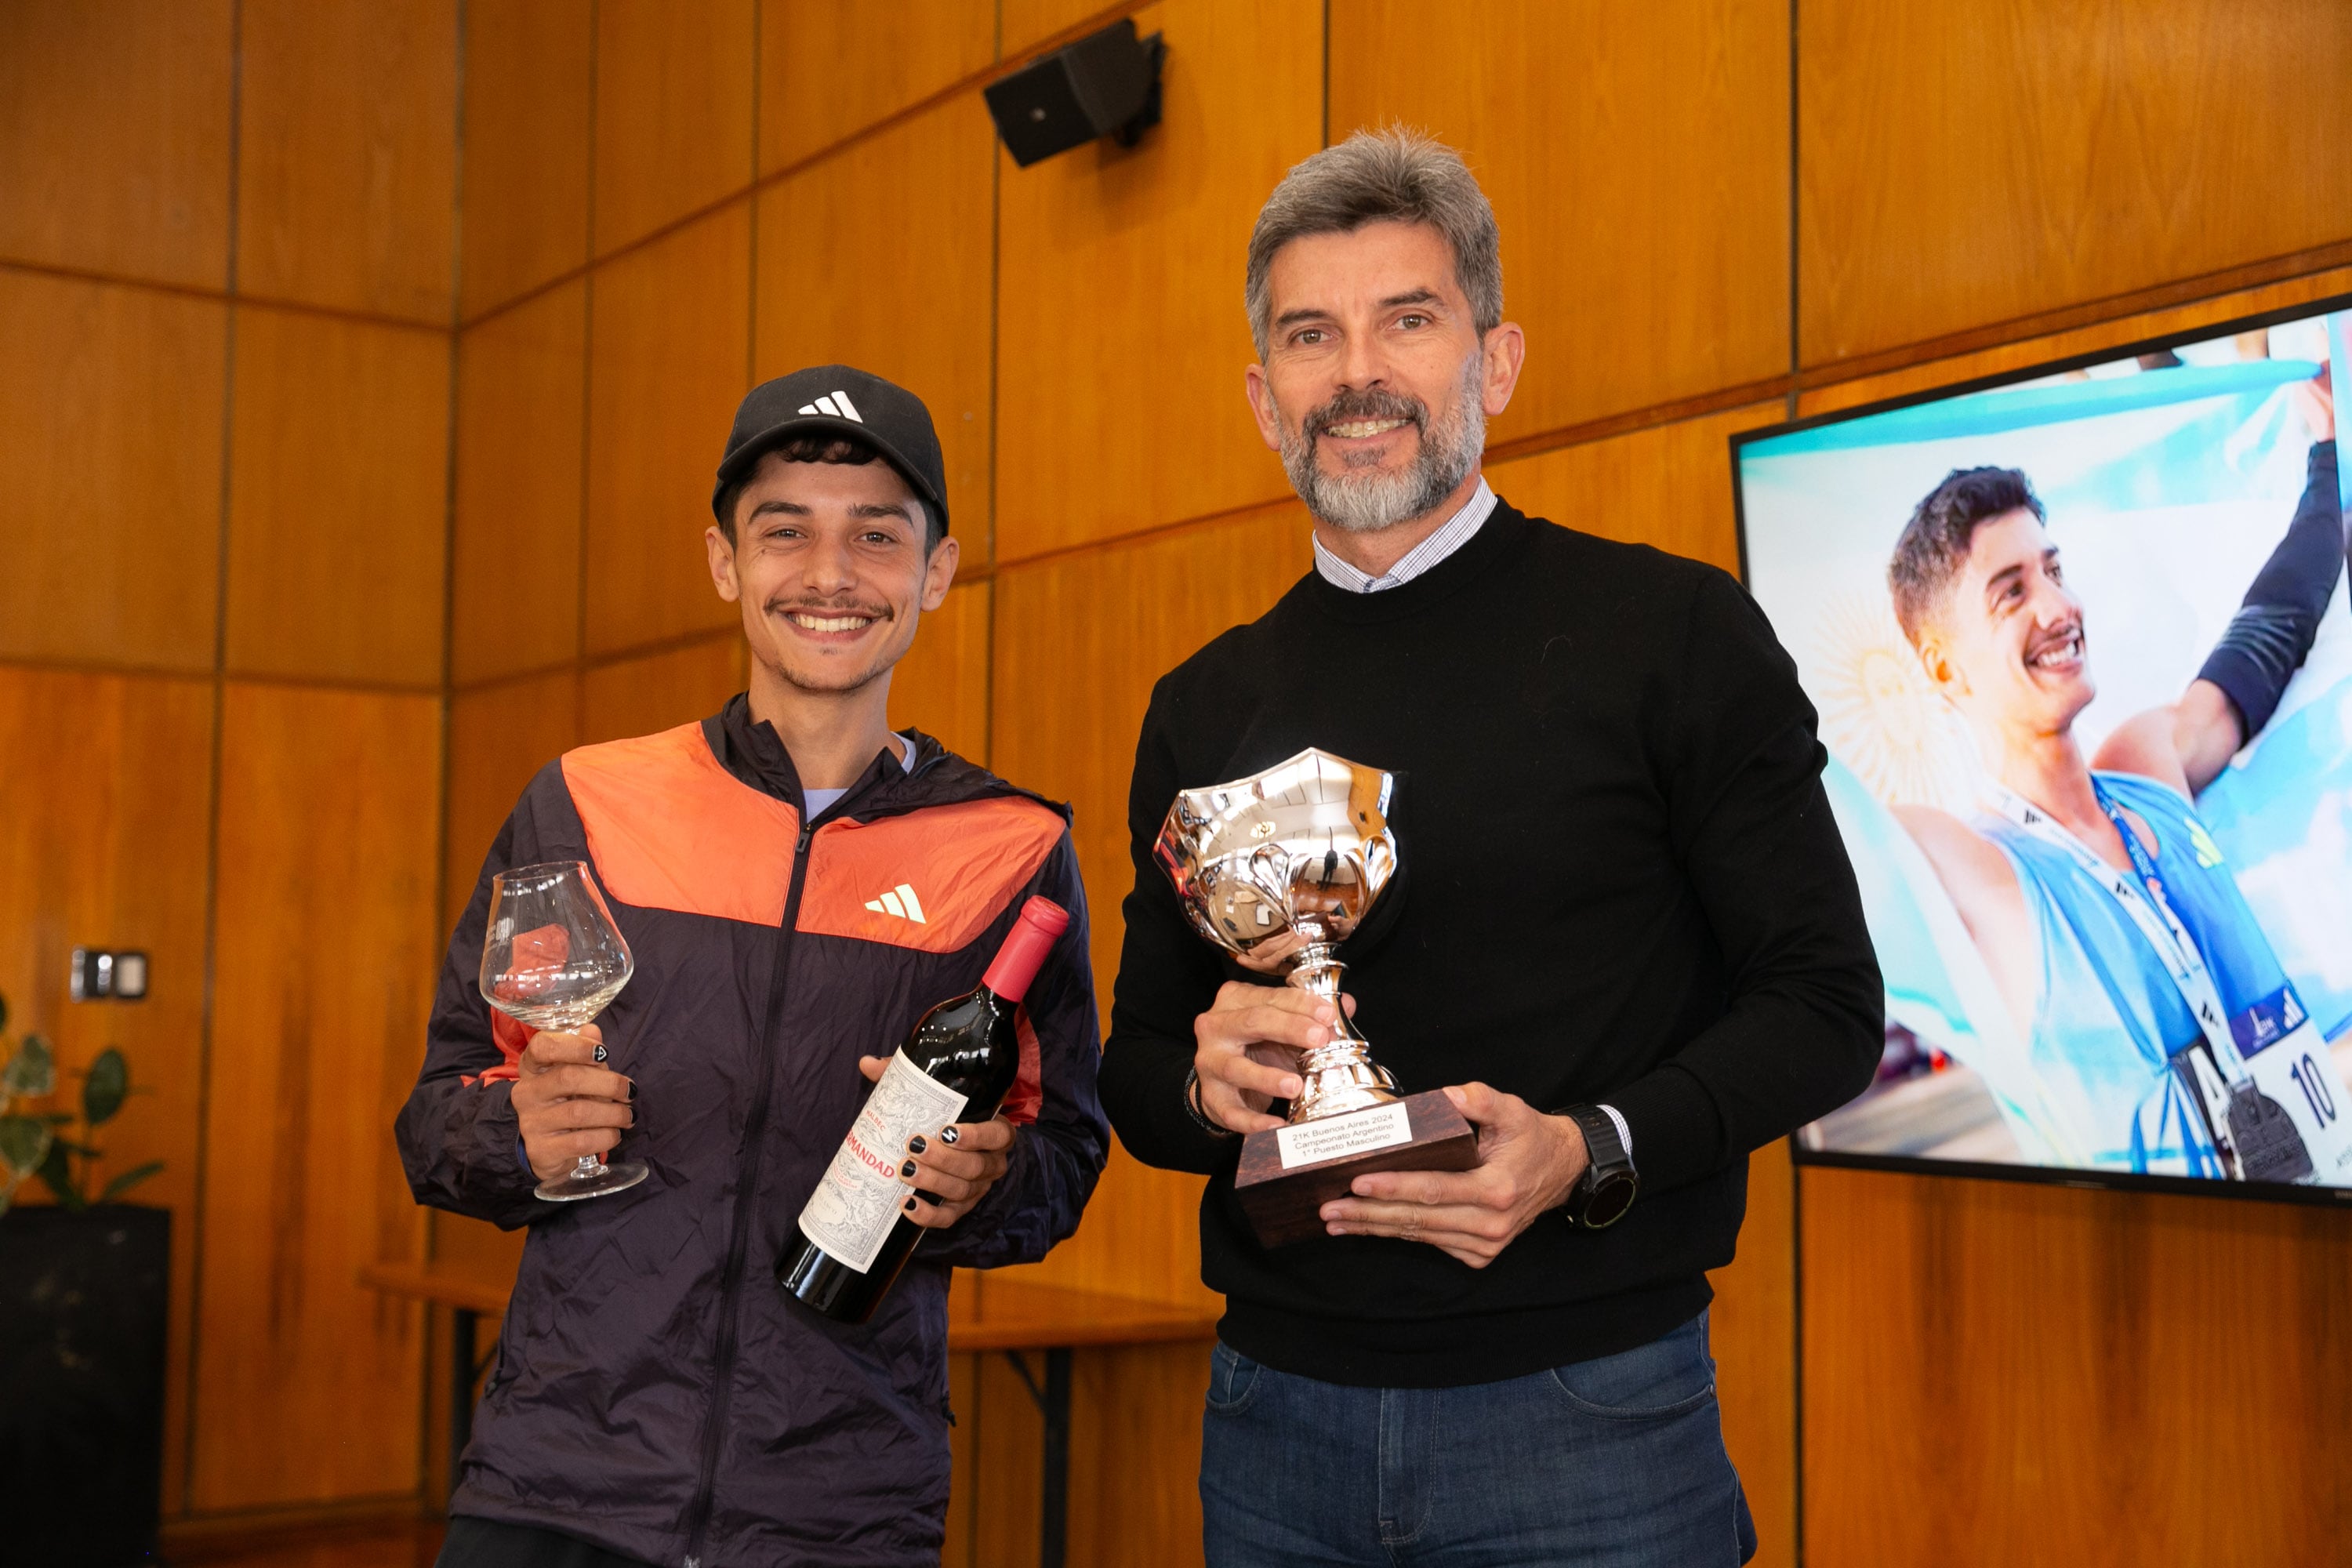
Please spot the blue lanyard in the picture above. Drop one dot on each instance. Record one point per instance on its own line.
(2144, 866)
(2149, 875)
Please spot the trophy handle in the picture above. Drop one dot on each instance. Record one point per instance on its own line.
(1339, 1076)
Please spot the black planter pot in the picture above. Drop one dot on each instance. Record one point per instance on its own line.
(82, 1299)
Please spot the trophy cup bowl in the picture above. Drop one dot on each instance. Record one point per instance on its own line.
(1279, 870)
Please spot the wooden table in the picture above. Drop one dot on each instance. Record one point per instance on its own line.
(1009, 1316)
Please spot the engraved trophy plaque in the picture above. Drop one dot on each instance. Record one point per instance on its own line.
(1279, 870)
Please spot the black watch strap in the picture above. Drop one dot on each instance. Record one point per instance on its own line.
(1198, 1112)
(1608, 1187)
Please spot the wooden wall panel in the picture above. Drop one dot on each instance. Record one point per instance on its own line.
(662, 691)
(1978, 163)
(2065, 1378)
(1637, 158)
(913, 309)
(1135, 1456)
(668, 352)
(338, 500)
(1669, 485)
(1138, 418)
(104, 806)
(528, 64)
(347, 155)
(1027, 24)
(674, 131)
(1752, 1331)
(111, 513)
(1135, 1460)
(942, 686)
(2026, 352)
(308, 1383)
(829, 69)
(1006, 1472)
(114, 138)
(522, 386)
(499, 737)
(963, 1445)
(1079, 641)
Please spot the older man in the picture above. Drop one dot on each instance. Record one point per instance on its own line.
(1629, 946)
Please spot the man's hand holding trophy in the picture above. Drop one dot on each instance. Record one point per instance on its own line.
(1279, 870)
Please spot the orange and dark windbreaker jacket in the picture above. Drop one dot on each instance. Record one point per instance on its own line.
(655, 1392)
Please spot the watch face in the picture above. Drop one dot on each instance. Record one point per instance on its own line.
(1611, 1197)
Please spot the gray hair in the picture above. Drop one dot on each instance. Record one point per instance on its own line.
(1395, 174)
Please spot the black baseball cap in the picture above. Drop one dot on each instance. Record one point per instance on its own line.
(834, 397)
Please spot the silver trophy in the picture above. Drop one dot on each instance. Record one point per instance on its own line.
(1279, 868)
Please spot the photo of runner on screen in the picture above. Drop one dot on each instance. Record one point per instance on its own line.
(2158, 1018)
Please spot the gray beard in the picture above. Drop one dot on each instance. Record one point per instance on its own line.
(1368, 503)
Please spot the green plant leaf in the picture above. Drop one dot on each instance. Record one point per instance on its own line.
(128, 1180)
(24, 1145)
(59, 1178)
(31, 1071)
(102, 1091)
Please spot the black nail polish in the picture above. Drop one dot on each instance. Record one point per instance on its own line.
(916, 1145)
(949, 1135)
(600, 1053)
(910, 1205)
(908, 1169)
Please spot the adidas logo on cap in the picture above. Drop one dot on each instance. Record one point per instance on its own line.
(838, 404)
(901, 901)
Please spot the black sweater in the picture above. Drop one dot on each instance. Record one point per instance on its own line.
(1620, 881)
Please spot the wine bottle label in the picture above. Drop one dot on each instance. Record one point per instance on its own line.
(860, 1197)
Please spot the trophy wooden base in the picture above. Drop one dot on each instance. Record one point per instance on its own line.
(1288, 1173)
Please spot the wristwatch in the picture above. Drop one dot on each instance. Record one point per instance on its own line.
(1605, 1191)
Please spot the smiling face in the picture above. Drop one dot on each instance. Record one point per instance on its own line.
(828, 564)
(2006, 643)
(1377, 384)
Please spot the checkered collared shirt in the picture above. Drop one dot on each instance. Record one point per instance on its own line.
(1452, 535)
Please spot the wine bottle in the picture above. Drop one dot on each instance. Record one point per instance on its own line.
(957, 1065)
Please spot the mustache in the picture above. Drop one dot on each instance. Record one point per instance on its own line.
(2065, 631)
(782, 606)
(1368, 402)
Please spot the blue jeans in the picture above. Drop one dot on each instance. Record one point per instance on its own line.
(1617, 1462)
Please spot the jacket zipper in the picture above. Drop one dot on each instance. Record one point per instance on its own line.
(730, 1278)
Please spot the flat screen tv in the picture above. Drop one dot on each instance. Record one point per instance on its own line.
(2107, 870)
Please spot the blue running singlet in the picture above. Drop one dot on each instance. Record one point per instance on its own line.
(2110, 1017)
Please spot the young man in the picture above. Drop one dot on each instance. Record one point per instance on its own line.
(1628, 937)
(2132, 966)
(656, 1398)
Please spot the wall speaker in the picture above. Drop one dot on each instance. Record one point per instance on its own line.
(1104, 85)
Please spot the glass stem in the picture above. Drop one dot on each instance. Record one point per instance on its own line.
(589, 1168)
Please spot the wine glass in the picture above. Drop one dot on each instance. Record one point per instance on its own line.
(553, 959)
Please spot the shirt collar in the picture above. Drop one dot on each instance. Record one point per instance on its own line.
(755, 754)
(1456, 532)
